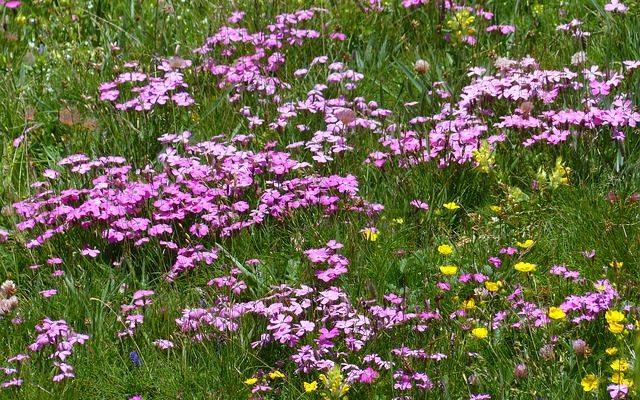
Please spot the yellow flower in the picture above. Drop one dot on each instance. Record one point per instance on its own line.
(310, 387)
(445, 249)
(619, 365)
(538, 8)
(496, 209)
(251, 381)
(560, 175)
(590, 383)
(616, 264)
(614, 316)
(452, 206)
(480, 333)
(448, 269)
(616, 327)
(527, 243)
(556, 313)
(524, 267)
(370, 234)
(619, 379)
(493, 286)
(484, 157)
(461, 23)
(469, 304)
(612, 351)
(276, 375)
(398, 221)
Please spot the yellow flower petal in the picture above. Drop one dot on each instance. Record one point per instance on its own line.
(445, 249)
(480, 333)
(452, 206)
(556, 313)
(590, 383)
(524, 267)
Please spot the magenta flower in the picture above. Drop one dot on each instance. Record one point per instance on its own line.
(48, 293)
(10, 4)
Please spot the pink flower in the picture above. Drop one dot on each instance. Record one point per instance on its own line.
(48, 293)
(93, 253)
(10, 4)
(13, 382)
(419, 204)
(616, 6)
(4, 235)
(164, 344)
(369, 375)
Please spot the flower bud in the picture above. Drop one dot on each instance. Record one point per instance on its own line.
(421, 67)
(520, 371)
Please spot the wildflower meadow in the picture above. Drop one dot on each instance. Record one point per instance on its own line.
(331, 199)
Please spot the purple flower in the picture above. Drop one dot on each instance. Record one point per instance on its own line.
(479, 397)
(48, 293)
(10, 4)
(135, 359)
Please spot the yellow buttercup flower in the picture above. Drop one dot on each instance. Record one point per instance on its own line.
(251, 381)
(370, 234)
(452, 206)
(524, 267)
(310, 387)
(590, 383)
(612, 351)
(619, 365)
(526, 244)
(496, 209)
(556, 313)
(493, 286)
(398, 221)
(469, 304)
(448, 269)
(614, 316)
(445, 249)
(616, 264)
(616, 327)
(619, 379)
(480, 333)
(276, 375)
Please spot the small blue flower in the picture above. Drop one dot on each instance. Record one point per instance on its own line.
(135, 359)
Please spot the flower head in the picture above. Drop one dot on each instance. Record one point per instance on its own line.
(445, 249)
(524, 267)
(526, 244)
(371, 234)
(448, 269)
(452, 206)
(480, 333)
(310, 387)
(590, 383)
(556, 313)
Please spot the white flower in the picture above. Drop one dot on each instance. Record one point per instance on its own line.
(579, 58)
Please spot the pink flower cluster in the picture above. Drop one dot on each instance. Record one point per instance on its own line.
(56, 334)
(231, 281)
(133, 317)
(211, 185)
(249, 61)
(520, 99)
(322, 327)
(337, 262)
(149, 91)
